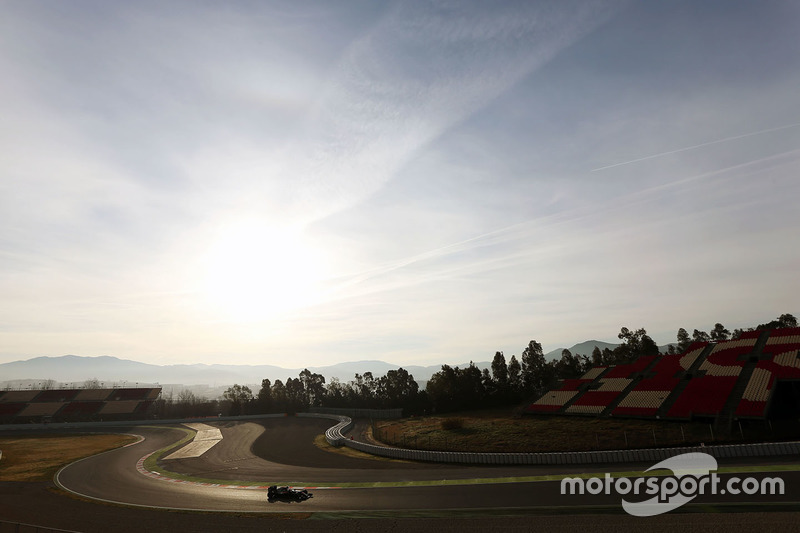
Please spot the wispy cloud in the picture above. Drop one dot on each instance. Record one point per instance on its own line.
(422, 69)
(435, 154)
(696, 146)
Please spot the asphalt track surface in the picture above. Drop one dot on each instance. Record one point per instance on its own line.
(403, 495)
(281, 451)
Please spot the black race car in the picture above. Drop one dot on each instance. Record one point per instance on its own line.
(275, 493)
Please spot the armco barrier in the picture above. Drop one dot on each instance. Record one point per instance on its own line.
(335, 436)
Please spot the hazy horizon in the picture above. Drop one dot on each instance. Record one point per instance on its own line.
(414, 182)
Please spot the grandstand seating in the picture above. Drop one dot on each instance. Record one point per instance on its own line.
(726, 358)
(628, 370)
(707, 393)
(153, 394)
(593, 373)
(88, 395)
(651, 391)
(755, 396)
(80, 410)
(779, 361)
(10, 409)
(143, 407)
(641, 403)
(783, 342)
(593, 401)
(129, 394)
(19, 395)
(56, 395)
(566, 391)
(47, 409)
(75, 404)
(703, 396)
(551, 401)
(120, 407)
(686, 360)
(698, 382)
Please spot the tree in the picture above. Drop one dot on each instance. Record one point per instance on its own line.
(239, 397)
(490, 387)
(279, 398)
(648, 347)
(683, 340)
(338, 394)
(571, 366)
(597, 356)
(295, 395)
(671, 350)
(441, 389)
(187, 397)
(700, 336)
(500, 371)
(784, 321)
(787, 321)
(365, 388)
(536, 373)
(265, 396)
(397, 388)
(186, 404)
(93, 383)
(313, 387)
(514, 377)
(635, 344)
(453, 389)
(719, 333)
(738, 332)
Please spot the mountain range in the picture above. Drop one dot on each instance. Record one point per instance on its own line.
(73, 370)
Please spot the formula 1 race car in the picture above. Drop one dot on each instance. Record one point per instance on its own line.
(287, 495)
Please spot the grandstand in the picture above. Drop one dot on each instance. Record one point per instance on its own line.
(756, 376)
(76, 405)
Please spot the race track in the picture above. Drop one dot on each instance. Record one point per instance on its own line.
(281, 451)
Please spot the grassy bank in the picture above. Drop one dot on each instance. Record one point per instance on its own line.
(39, 458)
(502, 432)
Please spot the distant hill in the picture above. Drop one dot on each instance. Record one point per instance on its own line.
(586, 348)
(74, 370)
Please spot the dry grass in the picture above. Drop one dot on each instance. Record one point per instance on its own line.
(39, 458)
(482, 432)
(322, 443)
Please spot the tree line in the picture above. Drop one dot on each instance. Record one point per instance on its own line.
(452, 388)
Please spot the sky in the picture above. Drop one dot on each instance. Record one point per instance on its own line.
(419, 182)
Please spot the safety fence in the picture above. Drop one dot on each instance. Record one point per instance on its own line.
(335, 436)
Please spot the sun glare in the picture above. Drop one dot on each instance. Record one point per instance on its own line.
(254, 272)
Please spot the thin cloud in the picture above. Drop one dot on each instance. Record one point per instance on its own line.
(512, 245)
(696, 146)
(420, 71)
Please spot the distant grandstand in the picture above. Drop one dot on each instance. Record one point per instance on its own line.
(756, 376)
(76, 405)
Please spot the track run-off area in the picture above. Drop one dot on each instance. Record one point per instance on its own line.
(233, 474)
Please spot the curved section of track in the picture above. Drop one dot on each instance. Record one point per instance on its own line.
(233, 475)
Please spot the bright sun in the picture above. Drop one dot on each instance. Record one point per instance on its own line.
(254, 272)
